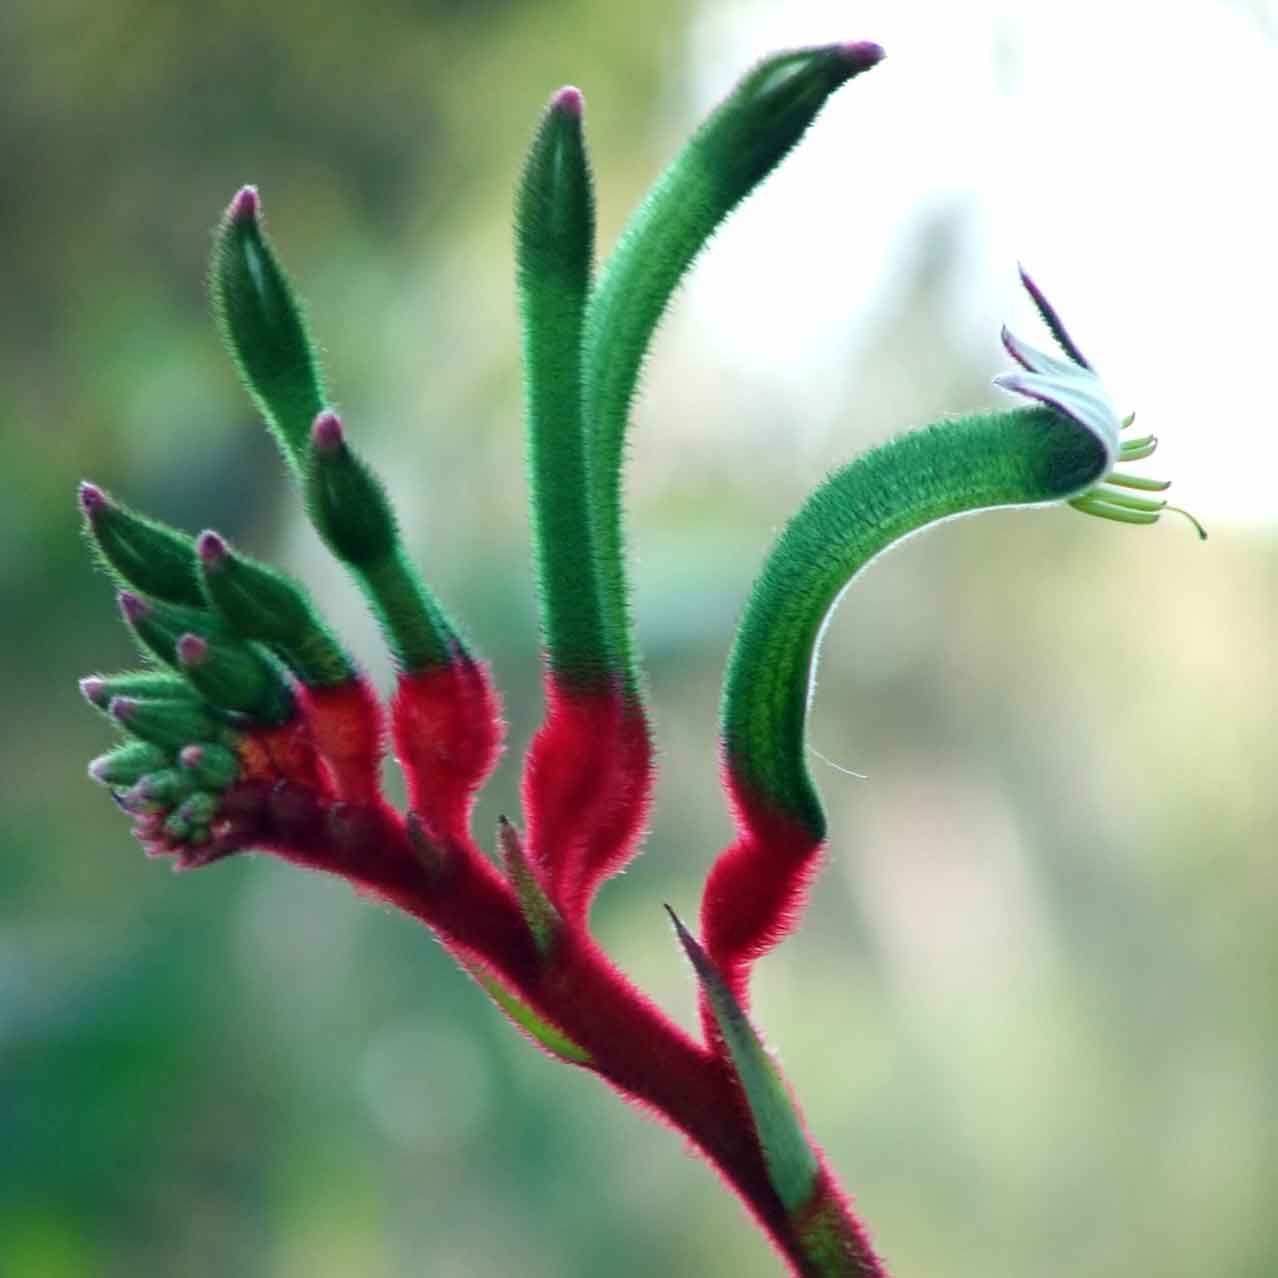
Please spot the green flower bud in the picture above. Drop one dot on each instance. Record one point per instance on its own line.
(234, 676)
(263, 326)
(212, 767)
(260, 603)
(159, 626)
(127, 764)
(346, 501)
(100, 690)
(168, 724)
(148, 555)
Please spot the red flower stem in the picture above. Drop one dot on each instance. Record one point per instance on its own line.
(349, 731)
(447, 729)
(756, 889)
(633, 1046)
(586, 788)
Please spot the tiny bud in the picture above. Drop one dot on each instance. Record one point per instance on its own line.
(326, 432)
(214, 767)
(92, 499)
(133, 607)
(212, 549)
(569, 101)
(123, 708)
(863, 54)
(93, 689)
(192, 650)
(167, 786)
(245, 206)
(168, 724)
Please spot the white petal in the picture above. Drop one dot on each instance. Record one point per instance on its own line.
(1076, 392)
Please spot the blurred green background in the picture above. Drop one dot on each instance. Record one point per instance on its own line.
(1031, 1013)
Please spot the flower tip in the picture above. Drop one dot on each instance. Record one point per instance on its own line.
(569, 101)
(92, 690)
(327, 435)
(132, 607)
(92, 499)
(192, 650)
(211, 549)
(122, 709)
(191, 756)
(245, 206)
(862, 54)
(98, 769)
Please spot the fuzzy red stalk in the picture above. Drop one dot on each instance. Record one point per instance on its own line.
(458, 892)
(448, 731)
(286, 752)
(586, 788)
(758, 886)
(348, 728)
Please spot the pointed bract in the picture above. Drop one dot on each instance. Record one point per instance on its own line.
(792, 1165)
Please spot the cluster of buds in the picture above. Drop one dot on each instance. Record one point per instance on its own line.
(253, 728)
(253, 720)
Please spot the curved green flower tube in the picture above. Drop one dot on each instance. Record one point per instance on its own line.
(1019, 458)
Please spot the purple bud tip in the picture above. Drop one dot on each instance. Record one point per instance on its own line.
(326, 433)
(122, 708)
(569, 101)
(245, 205)
(192, 650)
(191, 756)
(92, 499)
(211, 549)
(134, 607)
(863, 54)
(92, 689)
(97, 769)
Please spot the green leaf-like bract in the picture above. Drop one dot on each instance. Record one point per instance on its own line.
(792, 1165)
(1024, 457)
(554, 244)
(262, 324)
(732, 152)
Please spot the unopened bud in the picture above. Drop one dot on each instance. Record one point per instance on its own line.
(263, 326)
(347, 503)
(144, 553)
(168, 724)
(99, 690)
(235, 676)
(213, 767)
(262, 604)
(128, 764)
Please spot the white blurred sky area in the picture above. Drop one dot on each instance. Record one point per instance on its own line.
(1122, 150)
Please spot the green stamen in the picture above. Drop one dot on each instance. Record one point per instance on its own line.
(1138, 481)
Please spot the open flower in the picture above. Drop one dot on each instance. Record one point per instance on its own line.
(1075, 389)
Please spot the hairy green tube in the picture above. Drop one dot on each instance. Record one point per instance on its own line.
(732, 152)
(1024, 457)
(554, 248)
